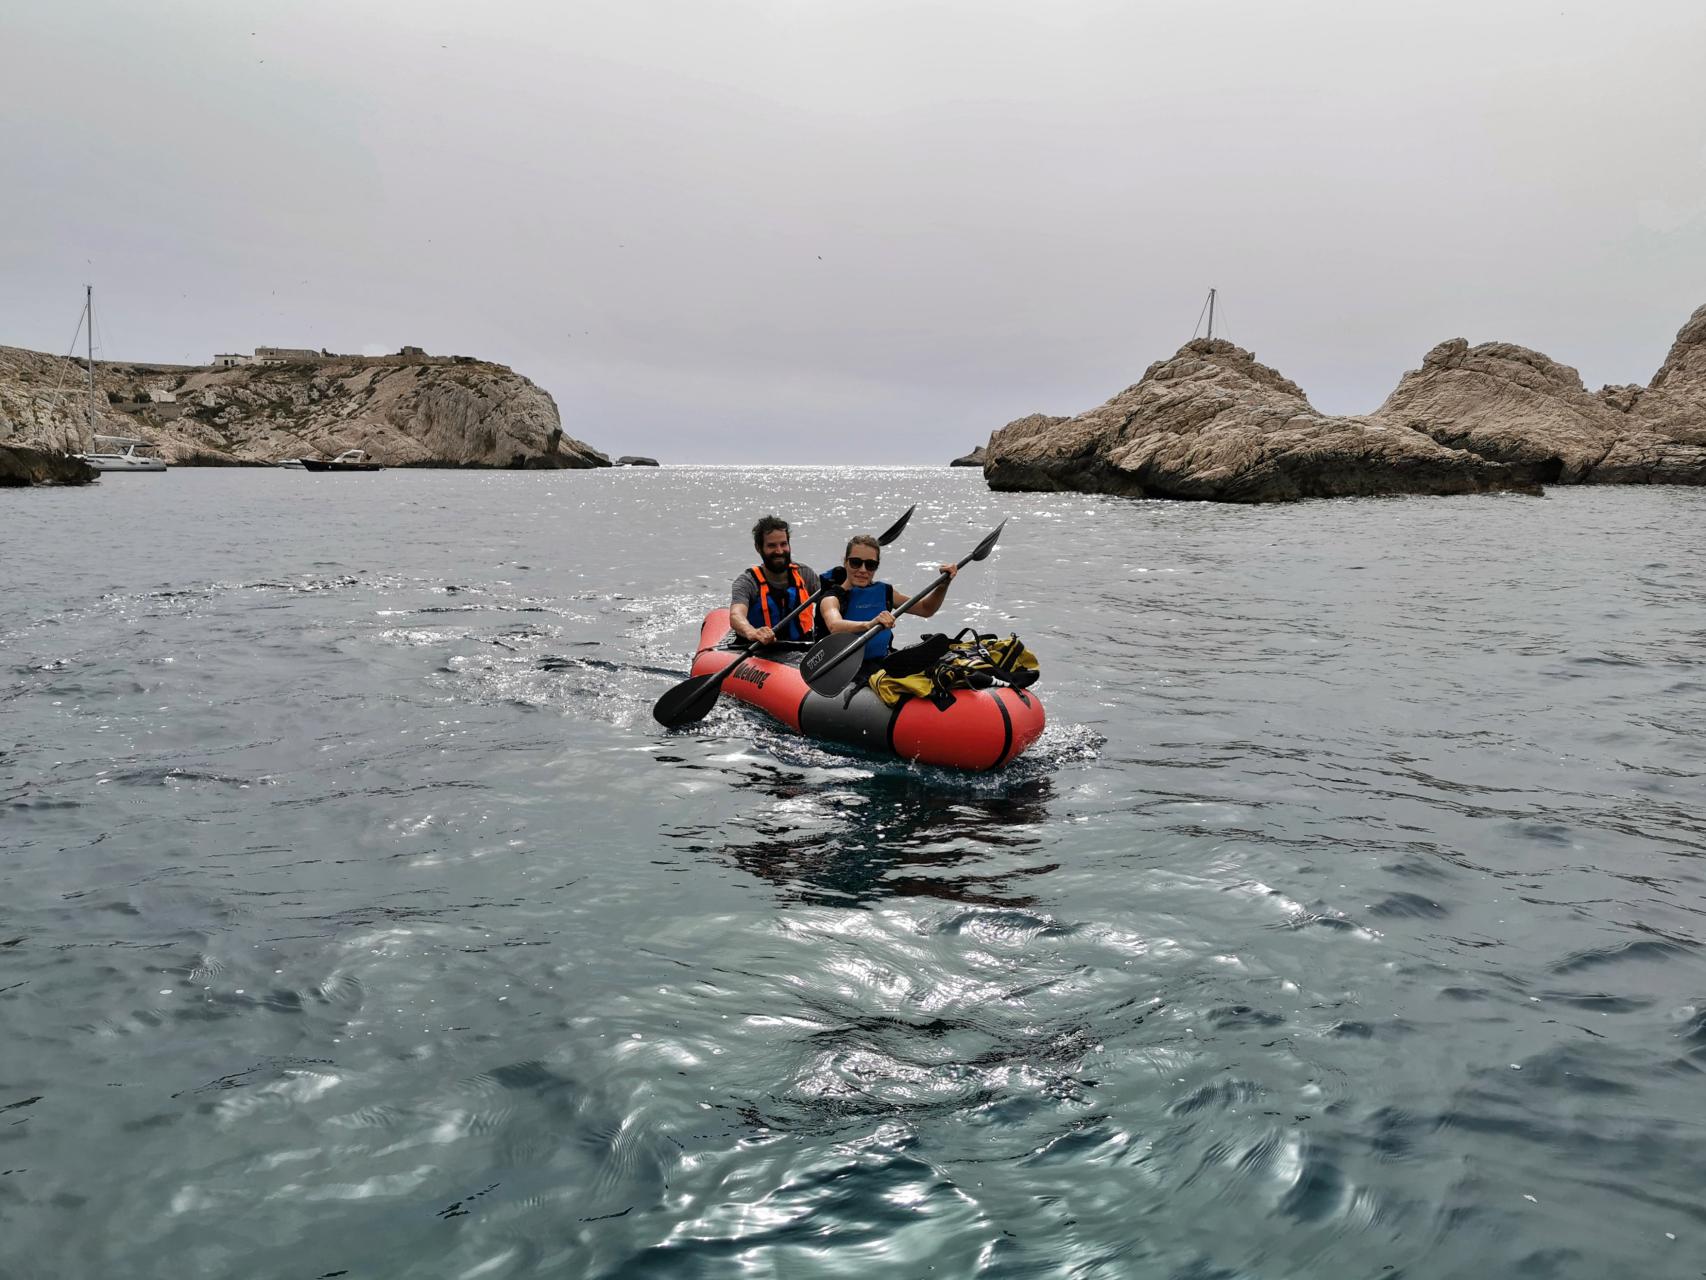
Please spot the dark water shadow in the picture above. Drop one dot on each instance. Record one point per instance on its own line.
(853, 843)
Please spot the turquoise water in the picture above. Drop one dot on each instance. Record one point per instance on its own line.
(356, 918)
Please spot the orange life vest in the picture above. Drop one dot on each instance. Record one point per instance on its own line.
(774, 605)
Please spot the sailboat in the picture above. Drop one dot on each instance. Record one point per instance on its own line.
(121, 455)
(123, 459)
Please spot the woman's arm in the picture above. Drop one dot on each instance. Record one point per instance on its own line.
(932, 600)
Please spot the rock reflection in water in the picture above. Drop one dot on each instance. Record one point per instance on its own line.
(858, 841)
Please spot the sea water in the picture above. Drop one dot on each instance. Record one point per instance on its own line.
(356, 918)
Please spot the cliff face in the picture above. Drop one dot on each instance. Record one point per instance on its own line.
(423, 411)
(44, 402)
(1212, 423)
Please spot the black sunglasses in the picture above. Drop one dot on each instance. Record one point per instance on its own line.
(859, 562)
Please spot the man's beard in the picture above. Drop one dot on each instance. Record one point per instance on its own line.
(777, 563)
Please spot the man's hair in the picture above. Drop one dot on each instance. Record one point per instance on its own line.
(863, 540)
(764, 528)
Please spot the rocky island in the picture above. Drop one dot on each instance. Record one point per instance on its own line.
(410, 409)
(21, 466)
(1214, 424)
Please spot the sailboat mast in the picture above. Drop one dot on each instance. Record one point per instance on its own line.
(1211, 315)
(89, 319)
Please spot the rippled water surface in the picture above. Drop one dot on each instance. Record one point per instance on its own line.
(356, 919)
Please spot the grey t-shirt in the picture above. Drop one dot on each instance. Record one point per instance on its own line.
(745, 591)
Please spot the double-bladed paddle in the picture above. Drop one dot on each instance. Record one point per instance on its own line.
(692, 700)
(830, 665)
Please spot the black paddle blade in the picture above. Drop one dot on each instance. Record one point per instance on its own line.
(830, 665)
(893, 531)
(690, 701)
(987, 545)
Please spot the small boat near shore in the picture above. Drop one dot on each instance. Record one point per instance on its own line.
(348, 460)
(124, 459)
(982, 729)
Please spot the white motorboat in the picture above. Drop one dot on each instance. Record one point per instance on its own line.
(125, 459)
(295, 464)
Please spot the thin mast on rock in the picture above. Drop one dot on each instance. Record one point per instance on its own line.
(89, 320)
(1209, 308)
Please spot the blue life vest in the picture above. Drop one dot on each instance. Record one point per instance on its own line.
(773, 605)
(861, 604)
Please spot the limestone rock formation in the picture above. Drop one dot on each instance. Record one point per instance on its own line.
(21, 466)
(403, 410)
(634, 460)
(1526, 410)
(1673, 404)
(44, 403)
(972, 459)
(1212, 423)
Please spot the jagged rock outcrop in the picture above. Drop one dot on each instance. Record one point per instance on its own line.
(1673, 404)
(972, 459)
(1214, 424)
(423, 411)
(21, 466)
(1526, 410)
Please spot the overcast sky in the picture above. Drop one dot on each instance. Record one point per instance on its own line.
(855, 230)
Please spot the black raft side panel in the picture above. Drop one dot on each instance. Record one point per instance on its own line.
(865, 722)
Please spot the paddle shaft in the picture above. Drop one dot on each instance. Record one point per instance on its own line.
(942, 580)
(788, 617)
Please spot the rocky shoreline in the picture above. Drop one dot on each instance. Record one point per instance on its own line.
(403, 410)
(21, 466)
(1213, 424)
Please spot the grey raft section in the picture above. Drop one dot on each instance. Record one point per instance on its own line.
(867, 721)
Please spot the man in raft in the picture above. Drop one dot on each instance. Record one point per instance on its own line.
(859, 598)
(769, 591)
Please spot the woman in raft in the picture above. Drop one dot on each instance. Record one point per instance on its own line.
(859, 599)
